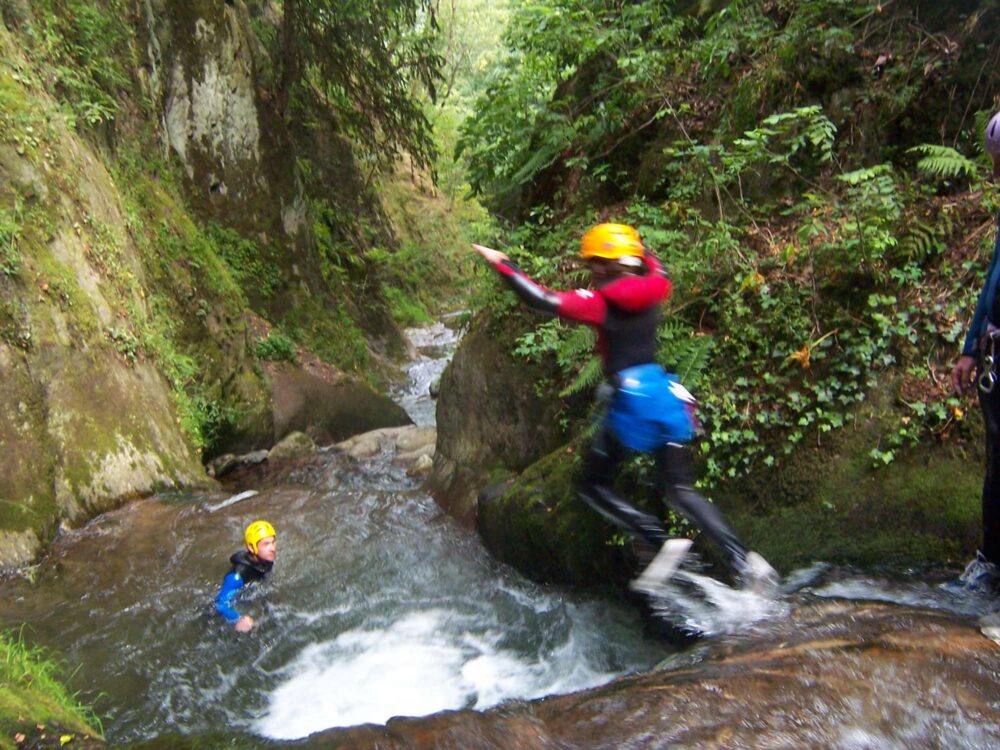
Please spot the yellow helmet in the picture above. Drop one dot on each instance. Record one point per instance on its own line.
(611, 241)
(255, 532)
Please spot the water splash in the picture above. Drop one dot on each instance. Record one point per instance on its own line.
(704, 606)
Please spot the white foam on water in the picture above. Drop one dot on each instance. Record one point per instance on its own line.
(417, 666)
(367, 676)
(913, 594)
(709, 607)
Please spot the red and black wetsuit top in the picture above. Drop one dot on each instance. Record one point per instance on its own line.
(624, 311)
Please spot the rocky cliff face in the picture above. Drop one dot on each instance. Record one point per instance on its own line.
(136, 252)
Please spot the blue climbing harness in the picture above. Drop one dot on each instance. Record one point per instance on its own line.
(650, 408)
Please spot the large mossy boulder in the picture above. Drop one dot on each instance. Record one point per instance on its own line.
(490, 418)
(80, 432)
(538, 524)
(825, 503)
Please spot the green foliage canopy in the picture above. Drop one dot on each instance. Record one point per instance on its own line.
(769, 160)
(366, 56)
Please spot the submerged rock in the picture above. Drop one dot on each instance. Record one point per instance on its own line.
(293, 445)
(411, 446)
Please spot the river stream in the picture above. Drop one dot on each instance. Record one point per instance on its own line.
(378, 606)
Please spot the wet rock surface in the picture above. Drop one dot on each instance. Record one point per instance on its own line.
(409, 445)
(488, 416)
(835, 674)
(333, 410)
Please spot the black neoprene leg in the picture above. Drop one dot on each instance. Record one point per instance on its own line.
(990, 403)
(603, 458)
(674, 474)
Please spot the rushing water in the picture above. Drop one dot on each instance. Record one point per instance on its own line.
(432, 346)
(378, 606)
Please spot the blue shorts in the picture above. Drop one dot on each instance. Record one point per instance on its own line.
(651, 408)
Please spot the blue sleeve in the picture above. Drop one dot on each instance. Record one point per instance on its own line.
(978, 325)
(231, 586)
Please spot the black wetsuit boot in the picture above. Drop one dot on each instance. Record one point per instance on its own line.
(677, 484)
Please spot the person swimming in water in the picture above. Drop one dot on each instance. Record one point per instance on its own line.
(248, 565)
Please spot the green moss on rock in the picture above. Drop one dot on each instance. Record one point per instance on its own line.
(538, 524)
(825, 503)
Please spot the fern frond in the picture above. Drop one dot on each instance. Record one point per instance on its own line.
(921, 240)
(682, 352)
(865, 174)
(575, 347)
(589, 375)
(943, 161)
(691, 361)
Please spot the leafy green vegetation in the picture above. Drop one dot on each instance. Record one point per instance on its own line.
(276, 347)
(816, 249)
(32, 694)
(186, 265)
(10, 254)
(87, 47)
(248, 263)
(365, 59)
(332, 333)
(405, 310)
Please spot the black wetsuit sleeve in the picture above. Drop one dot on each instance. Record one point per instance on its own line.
(535, 297)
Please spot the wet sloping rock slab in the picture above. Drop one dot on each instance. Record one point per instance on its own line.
(833, 675)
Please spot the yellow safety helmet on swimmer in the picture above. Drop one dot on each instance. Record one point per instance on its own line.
(255, 532)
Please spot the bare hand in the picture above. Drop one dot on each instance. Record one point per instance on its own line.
(491, 255)
(962, 374)
(245, 624)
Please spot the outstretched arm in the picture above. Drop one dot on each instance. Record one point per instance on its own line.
(534, 296)
(580, 305)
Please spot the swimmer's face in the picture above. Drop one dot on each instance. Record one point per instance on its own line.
(267, 549)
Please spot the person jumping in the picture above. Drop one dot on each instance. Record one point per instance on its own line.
(650, 411)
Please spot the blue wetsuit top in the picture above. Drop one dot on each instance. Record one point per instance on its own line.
(986, 311)
(246, 569)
